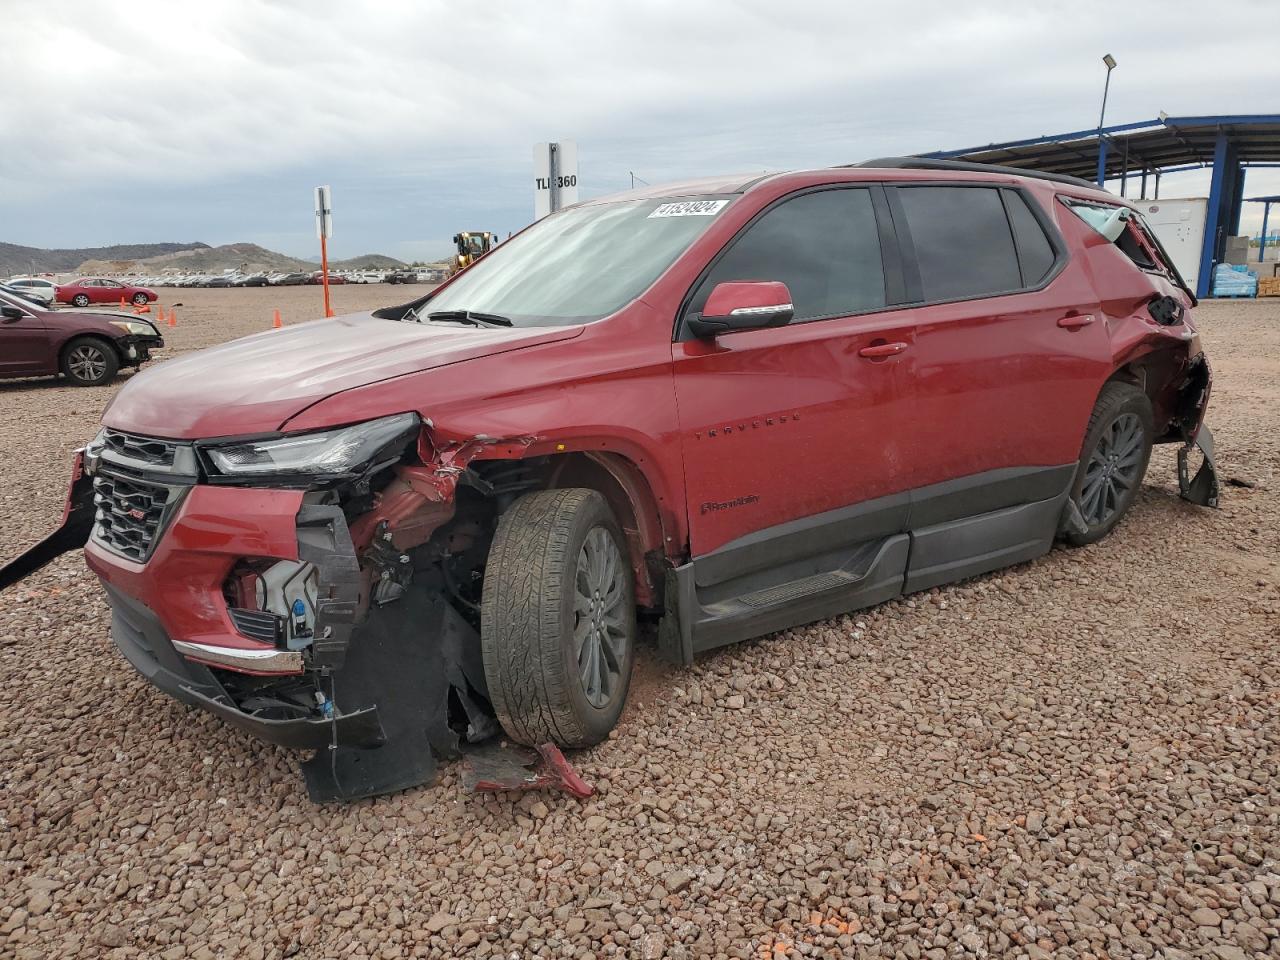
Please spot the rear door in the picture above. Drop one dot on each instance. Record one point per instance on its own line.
(792, 422)
(106, 291)
(24, 342)
(1010, 352)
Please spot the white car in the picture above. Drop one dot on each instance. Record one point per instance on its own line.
(46, 291)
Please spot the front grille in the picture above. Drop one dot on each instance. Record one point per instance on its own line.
(258, 624)
(130, 513)
(142, 450)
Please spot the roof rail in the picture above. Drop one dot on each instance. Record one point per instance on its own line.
(922, 163)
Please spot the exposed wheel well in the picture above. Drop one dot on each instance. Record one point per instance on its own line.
(629, 495)
(1155, 375)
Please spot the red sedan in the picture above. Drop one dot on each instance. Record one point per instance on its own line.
(88, 290)
(334, 279)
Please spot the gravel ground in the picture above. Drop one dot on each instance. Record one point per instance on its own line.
(1076, 757)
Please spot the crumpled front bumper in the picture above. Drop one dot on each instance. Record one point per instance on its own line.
(139, 635)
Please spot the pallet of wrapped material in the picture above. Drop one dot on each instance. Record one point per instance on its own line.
(1269, 287)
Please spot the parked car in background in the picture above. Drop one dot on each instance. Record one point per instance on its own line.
(251, 280)
(86, 348)
(45, 291)
(223, 280)
(89, 290)
(334, 278)
(400, 276)
(291, 280)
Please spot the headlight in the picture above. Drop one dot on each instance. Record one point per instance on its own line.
(136, 327)
(329, 452)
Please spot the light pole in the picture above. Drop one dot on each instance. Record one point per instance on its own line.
(1110, 61)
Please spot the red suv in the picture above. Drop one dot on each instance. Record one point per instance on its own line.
(729, 406)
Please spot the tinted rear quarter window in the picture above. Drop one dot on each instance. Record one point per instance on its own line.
(824, 246)
(963, 243)
(1035, 252)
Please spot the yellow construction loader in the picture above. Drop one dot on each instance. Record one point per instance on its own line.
(471, 244)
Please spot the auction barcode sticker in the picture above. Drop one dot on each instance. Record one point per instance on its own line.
(689, 208)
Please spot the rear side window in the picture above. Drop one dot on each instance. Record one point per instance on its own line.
(824, 246)
(1035, 252)
(963, 243)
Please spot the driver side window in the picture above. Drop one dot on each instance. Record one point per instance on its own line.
(823, 245)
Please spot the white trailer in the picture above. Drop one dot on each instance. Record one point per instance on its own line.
(1180, 226)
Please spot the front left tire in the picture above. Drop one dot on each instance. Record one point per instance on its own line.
(557, 619)
(89, 361)
(80, 300)
(141, 298)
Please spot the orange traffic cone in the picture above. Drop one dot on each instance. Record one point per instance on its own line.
(122, 303)
(276, 324)
(159, 314)
(142, 308)
(173, 316)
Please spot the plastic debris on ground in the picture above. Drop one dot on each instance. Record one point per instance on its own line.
(503, 766)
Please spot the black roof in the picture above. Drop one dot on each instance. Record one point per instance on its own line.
(927, 163)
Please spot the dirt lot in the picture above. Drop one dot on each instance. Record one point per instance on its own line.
(1077, 757)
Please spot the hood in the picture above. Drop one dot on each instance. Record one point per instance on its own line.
(255, 384)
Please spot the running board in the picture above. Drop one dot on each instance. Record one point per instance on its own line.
(869, 574)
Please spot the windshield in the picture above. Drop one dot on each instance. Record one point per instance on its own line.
(580, 264)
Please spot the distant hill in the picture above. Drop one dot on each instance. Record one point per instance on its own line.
(15, 259)
(370, 261)
(247, 257)
(157, 257)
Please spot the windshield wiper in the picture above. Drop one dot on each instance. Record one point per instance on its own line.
(473, 317)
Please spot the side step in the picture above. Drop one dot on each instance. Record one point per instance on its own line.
(871, 573)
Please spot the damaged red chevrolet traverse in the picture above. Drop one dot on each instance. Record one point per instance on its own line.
(730, 406)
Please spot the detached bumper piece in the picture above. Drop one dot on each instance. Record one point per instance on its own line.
(417, 662)
(72, 533)
(497, 767)
(1203, 487)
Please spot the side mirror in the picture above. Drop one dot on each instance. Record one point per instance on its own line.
(743, 305)
(9, 314)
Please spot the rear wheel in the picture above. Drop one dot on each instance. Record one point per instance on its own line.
(80, 300)
(1113, 461)
(558, 625)
(89, 362)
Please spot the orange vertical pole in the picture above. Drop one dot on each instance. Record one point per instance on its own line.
(324, 275)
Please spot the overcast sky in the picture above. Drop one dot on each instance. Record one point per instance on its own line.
(130, 122)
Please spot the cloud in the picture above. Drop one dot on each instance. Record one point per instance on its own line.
(148, 119)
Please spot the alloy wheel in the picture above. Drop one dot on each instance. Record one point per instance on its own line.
(1113, 470)
(600, 632)
(88, 363)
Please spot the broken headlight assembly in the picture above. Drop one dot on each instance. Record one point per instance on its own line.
(320, 455)
(136, 328)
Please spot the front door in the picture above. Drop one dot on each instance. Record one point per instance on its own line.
(24, 343)
(790, 422)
